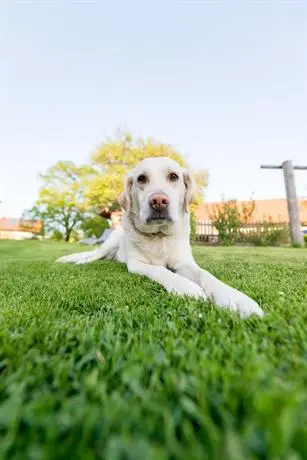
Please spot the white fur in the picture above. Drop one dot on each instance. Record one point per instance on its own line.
(161, 250)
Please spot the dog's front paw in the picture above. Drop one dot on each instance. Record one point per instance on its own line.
(247, 307)
(239, 302)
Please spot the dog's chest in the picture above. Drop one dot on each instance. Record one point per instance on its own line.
(159, 251)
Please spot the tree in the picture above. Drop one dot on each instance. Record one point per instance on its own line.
(115, 157)
(61, 203)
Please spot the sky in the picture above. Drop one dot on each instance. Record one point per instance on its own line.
(223, 82)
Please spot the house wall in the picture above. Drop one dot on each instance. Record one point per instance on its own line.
(15, 235)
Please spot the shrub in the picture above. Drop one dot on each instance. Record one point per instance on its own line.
(193, 226)
(94, 226)
(228, 218)
(257, 239)
(57, 235)
(269, 234)
(277, 236)
(75, 236)
(232, 222)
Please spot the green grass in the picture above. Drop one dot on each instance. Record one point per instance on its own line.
(99, 364)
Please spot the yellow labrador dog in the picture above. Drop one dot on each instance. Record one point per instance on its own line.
(154, 238)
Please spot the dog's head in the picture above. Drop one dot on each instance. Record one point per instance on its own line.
(157, 193)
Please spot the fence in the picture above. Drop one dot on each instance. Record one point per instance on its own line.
(207, 233)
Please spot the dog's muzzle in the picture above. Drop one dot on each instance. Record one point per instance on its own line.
(159, 207)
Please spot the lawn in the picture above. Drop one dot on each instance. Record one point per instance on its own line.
(99, 364)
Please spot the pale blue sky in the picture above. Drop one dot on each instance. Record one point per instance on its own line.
(226, 83)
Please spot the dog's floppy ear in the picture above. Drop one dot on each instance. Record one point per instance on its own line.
(124, 198)
(190, 189)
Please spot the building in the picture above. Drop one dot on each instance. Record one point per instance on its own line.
(19, 229)
(265, 210)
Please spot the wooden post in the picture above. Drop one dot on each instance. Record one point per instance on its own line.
(293, 209)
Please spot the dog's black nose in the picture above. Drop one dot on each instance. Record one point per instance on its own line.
(159, 201)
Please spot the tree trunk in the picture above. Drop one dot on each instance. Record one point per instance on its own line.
(67, 234)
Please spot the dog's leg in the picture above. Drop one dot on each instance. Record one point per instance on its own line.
(77, 257)
(170, 281)
(225, 296)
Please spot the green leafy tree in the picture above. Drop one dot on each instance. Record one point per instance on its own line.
(115, 157)
(61, 203)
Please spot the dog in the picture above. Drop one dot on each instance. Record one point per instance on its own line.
(154, 239)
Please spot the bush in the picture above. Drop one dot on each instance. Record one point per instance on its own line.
(233, 224)
(193, 226)
(277, 236)
(269, 235)
(257, 239)
(94, 226)
(57, 236)
(228, 219)
(75, 236)
(305, 239)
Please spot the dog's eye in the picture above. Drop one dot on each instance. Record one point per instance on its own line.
(173, 177)
(142, 179)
